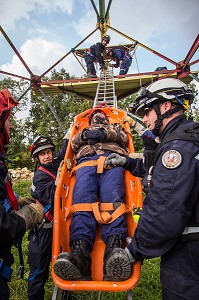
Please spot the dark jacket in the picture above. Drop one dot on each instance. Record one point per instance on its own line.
(96, 51)
(43, 186)
(170, 204)
(12, 226)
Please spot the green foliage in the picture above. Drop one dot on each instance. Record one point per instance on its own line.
(22, 187)
(66, 107)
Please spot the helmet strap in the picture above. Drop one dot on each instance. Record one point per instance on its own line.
(161, 117)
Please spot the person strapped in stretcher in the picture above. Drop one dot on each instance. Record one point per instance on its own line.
(95, 183)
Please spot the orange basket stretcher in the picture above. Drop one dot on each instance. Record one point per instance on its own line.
(63, 200)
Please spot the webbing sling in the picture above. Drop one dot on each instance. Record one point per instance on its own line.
(100, 210)
(99, 163)
(48, 172)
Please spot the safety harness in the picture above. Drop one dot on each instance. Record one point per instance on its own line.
(100, 210)
(89, 53)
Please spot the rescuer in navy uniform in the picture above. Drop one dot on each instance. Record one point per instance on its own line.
(43, 190)
(13, 222)
(122, 59)
(169, 223)
(95, 53)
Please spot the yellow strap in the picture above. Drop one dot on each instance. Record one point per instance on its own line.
(100, 210)
(92, 163)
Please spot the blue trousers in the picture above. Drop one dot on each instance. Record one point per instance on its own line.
(91, 187)
(180, 272)
(90, 64)
(126, 63)
(43, 256)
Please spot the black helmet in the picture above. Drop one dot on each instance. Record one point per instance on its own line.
(40, 143)
(107, 38)
(162, 90)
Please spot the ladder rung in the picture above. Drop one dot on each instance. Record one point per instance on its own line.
(105, 90)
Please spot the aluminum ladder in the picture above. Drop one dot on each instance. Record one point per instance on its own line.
(106, 89)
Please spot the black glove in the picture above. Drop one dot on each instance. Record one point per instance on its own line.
(149, 140)
(95, 136)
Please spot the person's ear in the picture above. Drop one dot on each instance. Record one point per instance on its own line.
(167, 105)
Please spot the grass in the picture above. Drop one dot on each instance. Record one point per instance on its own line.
(148, 287)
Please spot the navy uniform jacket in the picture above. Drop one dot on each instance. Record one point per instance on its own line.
(12, 226)
(118, 55)
(43, 187)
(170, 204)
(96, 50)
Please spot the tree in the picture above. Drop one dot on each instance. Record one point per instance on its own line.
(42, 121)
(17, 150)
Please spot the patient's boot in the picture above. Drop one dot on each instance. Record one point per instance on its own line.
(117, 266)
(74, 265)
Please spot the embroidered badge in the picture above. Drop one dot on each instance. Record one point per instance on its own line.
(171, 159)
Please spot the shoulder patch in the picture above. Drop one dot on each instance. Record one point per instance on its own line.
(171, 159)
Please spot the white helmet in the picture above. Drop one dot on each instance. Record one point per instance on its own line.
(162, 90)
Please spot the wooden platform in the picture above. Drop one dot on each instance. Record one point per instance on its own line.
(125, 85)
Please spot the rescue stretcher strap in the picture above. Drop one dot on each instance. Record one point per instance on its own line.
(100, 210)
(99, 163)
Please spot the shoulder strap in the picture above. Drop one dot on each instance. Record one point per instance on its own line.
(48, 172)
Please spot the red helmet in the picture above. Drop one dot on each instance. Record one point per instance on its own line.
(96, 109)
(40, 143)
(7, 101)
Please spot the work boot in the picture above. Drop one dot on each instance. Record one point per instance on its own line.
(74, 265)
(117, 266)
(90, 75)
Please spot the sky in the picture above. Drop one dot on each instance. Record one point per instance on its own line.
(43, 31)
